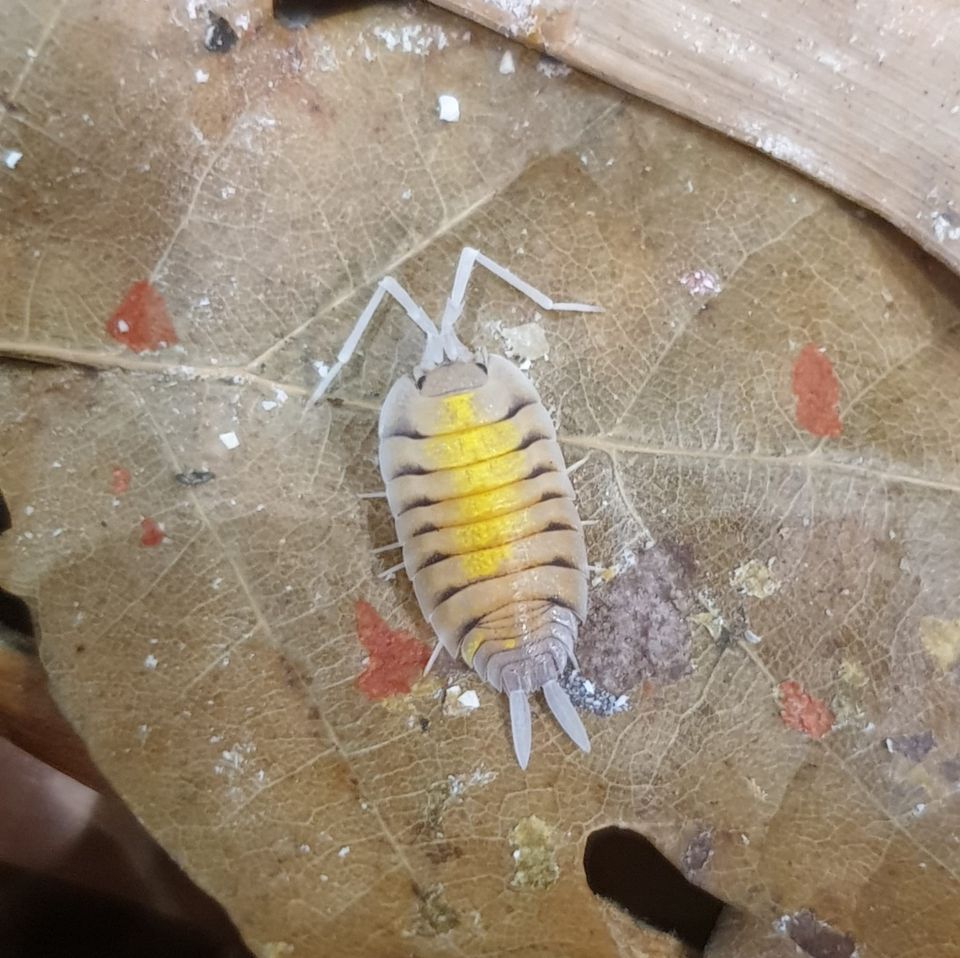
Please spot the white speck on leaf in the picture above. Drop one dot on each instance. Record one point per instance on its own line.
(150, 662)
(11, 158)
(700, 282)
(229, 439)
(448, 108)
(945, 226)
(552, 68)
(521, 13)
(343, 851)
(268, 404)
(469, 700)
(507, 65)
(201, 76)
(416, 38)
(526, 342)
(458, 702)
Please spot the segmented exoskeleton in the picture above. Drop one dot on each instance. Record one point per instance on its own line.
(484, 507)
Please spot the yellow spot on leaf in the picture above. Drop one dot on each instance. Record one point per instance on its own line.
(712, 621)
(756, 579)
(941, 639)
(534, 854)
(851, 673)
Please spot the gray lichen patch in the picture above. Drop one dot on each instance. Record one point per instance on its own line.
(637, 626)
(534, 854)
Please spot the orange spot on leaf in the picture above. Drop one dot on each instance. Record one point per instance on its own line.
(119, 480)
(802, 712)
(141, 321)
(817, 392)
(150, 533)
(395, 658)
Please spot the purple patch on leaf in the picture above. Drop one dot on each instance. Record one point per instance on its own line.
(817, 938)
(915, 747)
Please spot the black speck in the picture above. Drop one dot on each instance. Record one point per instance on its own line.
(424, 723)
(195, 477)
(220, 36)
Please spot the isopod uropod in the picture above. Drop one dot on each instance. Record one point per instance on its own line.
(483, 506)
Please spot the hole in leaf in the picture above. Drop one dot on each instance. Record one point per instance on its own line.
(295, 14)
(14, 612)
(627, 869)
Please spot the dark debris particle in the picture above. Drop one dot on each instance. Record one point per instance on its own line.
(817, 938)
(914, 747)
(434, 915)
(195, 477)
(424, 723)
(297, 14)
(219, 37)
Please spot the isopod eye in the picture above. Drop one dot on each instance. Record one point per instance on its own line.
(419, 381)
(483, 366)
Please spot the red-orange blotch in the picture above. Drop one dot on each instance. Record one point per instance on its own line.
(817, 391)
(141, 321)
(395, 658)
(150, 533)
(802, 712)
(119, 480)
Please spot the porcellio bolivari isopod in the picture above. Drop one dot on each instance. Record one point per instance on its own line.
(484, 507)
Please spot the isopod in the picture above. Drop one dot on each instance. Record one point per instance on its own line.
(483, 506)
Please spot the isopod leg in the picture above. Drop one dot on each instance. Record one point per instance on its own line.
(391, 572)
(434, 655)
(520, 725)
(389, 548)
(566, 714)
(471, 257)
(387, 285)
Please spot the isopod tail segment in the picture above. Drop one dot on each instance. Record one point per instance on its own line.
(483, 506)
(442, 344)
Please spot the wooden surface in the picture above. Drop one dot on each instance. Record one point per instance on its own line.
(862, 97)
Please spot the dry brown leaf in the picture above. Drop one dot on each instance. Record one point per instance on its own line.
(203, 636)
